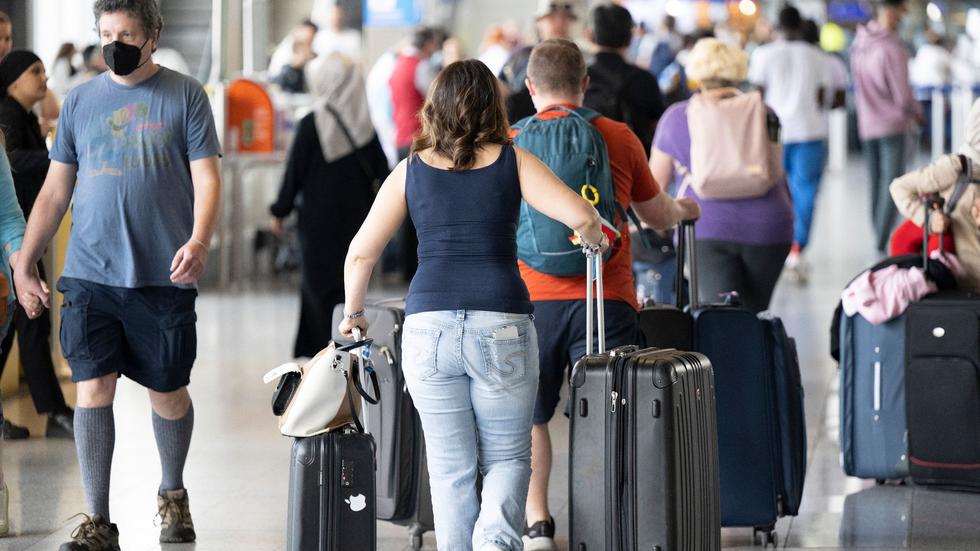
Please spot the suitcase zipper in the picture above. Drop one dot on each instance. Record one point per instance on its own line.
(613, 398)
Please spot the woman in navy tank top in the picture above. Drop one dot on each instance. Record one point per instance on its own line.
(469, 350)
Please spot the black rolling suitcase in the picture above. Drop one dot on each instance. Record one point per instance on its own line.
(332, 477)
(942, 339)
(643, 471)
(943, 390)
(403, 491)
(331, 493)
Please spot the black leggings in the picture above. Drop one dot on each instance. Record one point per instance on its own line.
(750, 270)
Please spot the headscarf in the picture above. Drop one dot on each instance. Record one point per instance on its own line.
(971, 148)
(335, 81)
(14, 65)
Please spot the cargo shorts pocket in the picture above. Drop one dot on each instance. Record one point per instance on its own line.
(74, 326)
(419, 352)
(505, 359)
(178, 339)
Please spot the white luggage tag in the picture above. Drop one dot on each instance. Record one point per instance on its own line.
(291, 367)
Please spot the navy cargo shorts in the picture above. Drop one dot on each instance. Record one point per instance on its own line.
(148, 334)
(561, 342)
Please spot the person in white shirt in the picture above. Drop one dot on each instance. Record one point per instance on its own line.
(284, 53)
(333, 36)
(62, 70)
(499, 44)
(835, 96)
(794, 80)
(931, 68)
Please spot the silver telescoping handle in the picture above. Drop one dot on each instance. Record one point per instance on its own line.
(593, 272)
(690, 250)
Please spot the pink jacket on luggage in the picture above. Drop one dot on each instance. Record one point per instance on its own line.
(883, 295)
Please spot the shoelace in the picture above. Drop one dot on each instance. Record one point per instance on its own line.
(87, 531)
(170, 509)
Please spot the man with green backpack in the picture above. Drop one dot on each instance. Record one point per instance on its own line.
(605, 162)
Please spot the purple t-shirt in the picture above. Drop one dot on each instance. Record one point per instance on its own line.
(765, 220)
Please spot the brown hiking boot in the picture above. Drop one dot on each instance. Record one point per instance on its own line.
(93, 534)
(174, 512)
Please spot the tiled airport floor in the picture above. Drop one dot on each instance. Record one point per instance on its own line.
(238, 465)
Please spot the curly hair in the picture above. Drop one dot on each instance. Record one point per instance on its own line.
(463, 112)
(147, 11)
(712, 60)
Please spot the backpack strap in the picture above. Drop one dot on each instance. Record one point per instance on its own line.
(965, 179)
(630, 214)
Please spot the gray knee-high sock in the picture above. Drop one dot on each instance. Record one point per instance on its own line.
(173, 440)
(95, 439)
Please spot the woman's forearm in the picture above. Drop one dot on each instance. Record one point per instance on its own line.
(357, 275)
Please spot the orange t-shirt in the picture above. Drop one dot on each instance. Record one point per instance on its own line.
(634, 183)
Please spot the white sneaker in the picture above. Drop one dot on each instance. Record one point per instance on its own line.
(540, 536)
(4, 511)
(796, 269)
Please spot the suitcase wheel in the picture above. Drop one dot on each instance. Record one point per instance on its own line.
(415, 541)
(765, 536)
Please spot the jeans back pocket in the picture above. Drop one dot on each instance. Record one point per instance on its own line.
(419, 352)
(505, 358)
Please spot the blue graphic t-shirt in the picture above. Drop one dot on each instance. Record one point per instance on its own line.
(133, 205)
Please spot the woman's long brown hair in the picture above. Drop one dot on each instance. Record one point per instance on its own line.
(463, 112)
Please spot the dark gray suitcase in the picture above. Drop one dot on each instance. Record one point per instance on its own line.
(643, 471)
(403, 495)
(331, 493)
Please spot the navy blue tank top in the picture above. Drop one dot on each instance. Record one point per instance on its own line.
(467, 227)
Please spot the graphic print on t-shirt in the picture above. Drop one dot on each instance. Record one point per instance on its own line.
(127, 138)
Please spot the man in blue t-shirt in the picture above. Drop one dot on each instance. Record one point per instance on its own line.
(136, 154)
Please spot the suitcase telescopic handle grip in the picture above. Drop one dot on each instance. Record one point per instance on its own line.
(593, 273)
(932, 202)
(687, 256)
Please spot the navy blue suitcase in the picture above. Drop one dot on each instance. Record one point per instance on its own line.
(759, 400)
(872, 398)
(761, 428)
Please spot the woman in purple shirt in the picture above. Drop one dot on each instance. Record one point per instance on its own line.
(741, 243)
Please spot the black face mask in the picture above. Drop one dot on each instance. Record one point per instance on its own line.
(123, 58)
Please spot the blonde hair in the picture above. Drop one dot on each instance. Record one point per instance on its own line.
(712, 60)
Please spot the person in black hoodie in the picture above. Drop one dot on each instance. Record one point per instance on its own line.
(617, 89)
(23, 84)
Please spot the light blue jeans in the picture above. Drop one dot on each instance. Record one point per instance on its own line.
(475, 395)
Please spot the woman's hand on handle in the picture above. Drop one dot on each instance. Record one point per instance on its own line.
(347, 326)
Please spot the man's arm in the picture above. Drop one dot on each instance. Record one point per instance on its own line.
(49, 210)
(664, 212)
(188, 263)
